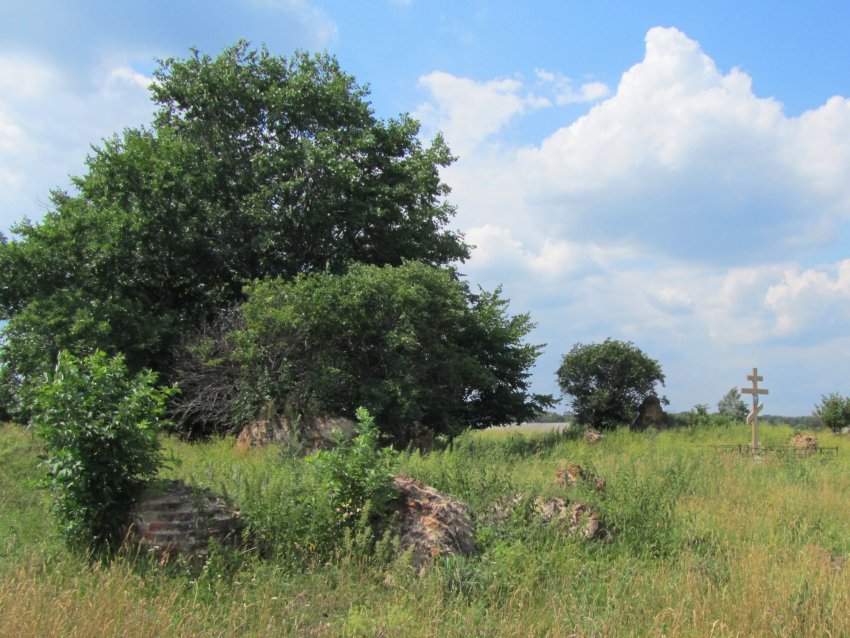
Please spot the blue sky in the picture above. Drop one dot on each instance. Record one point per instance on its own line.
(675, 174)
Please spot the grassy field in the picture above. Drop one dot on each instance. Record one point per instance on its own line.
(706, 544)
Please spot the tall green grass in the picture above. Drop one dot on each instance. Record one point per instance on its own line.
(705, 543)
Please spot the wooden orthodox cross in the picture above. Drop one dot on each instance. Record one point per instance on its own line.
(753, 417)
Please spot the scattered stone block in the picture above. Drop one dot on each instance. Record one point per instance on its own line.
(174, 519)
(804, 442)
(650, 415)
(585, 521)
(592, 436)
(569, 476)
(312, 434)
(569, 516)
(260, 433)
(430, 523)
(573, 474)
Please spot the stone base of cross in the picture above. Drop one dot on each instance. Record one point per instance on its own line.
(753, 418)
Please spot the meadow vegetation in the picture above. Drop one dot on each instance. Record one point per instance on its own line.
(704, 543)
(273, 248)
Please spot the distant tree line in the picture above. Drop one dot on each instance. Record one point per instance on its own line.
(548, 416)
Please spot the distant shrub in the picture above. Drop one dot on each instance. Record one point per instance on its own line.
(797, 422)
(100, 432)
(833, 411)
(698, 416)
(608, 382)
(732, 406)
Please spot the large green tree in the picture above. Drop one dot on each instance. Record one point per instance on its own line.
(411, 343)
(607, 381)
(254, 165)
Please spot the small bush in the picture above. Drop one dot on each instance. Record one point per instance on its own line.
(698, 416)
(358, 472)
(100, 432)
(304, 512)
(833, 411)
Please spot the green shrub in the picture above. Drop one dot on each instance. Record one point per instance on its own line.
(304, 512)
(697, 416)
(833, 411)
(100, 432)
(412, 342)
(359, 473)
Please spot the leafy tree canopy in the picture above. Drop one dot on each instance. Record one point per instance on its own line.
(254, 165)
(833, 411)
(607, 381)
(732, 406)
(411, 343)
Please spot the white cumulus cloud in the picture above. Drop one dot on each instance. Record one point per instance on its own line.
(566, 93)
(681, 211)
(23, 78)
(682, 158)
(48, 122)
(470, 112)
(120, 79)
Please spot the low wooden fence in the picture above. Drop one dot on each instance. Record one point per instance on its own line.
(775, 449)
